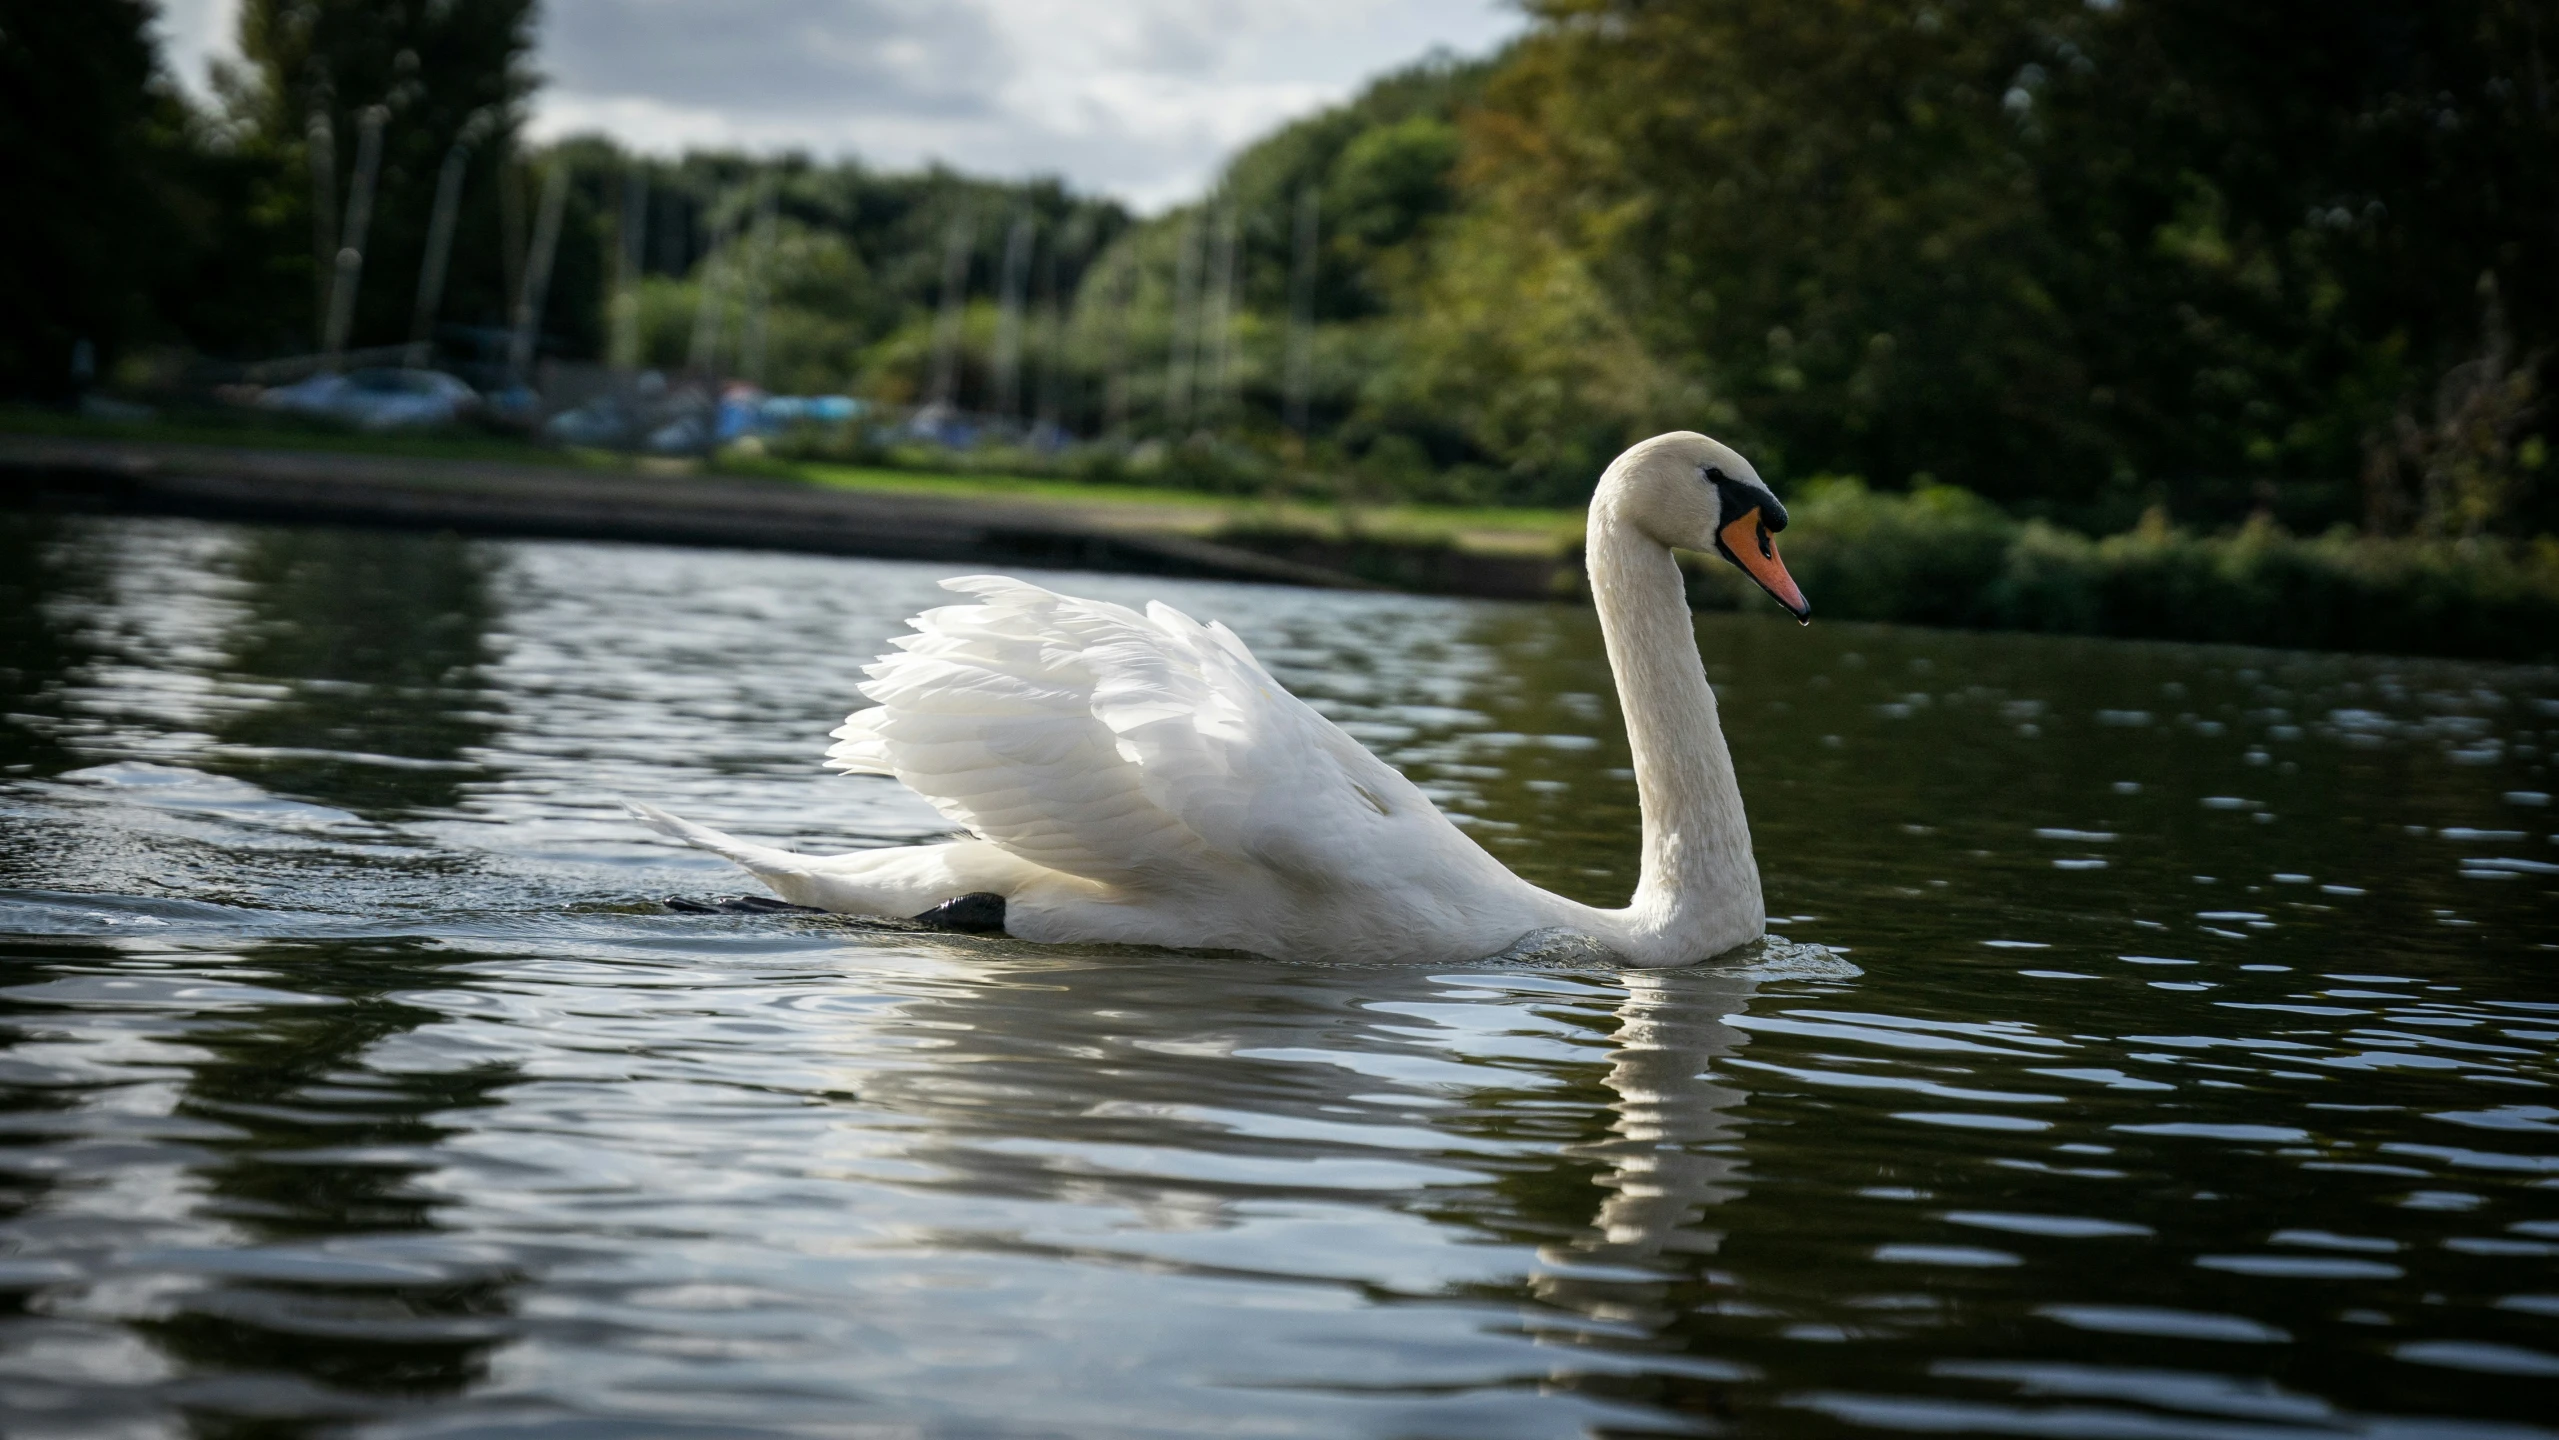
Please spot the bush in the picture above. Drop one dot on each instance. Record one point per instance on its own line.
(1943, 556)
(1931, 557)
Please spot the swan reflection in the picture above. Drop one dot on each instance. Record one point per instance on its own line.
(1672, 1151)
(1191, 1118)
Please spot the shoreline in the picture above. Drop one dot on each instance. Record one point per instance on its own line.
(1939, 559)
(532, 501)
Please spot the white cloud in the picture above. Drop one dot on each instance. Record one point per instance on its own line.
(1139, 98)
(1142, 99)
(193, 34)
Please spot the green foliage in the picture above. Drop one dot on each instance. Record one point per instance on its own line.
(1511, 342)
(893, 227)
(2079, 257)
(815, 329)
(1382, 166)
(1390, 182)
(855, 271)
(1931, 557)
(457, 72)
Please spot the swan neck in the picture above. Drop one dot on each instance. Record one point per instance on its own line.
(1699, 883)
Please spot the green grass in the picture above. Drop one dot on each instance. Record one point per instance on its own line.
(250, 430)
(982, 487)
(1490, 527)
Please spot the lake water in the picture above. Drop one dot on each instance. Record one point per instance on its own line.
(2179, 1060)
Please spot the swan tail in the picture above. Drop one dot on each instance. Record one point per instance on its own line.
(789, 875)
(899, 881)
(756, 858)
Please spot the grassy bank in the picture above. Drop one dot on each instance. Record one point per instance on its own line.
(257, 430)
(1942, 556)
(1501, 530)
(1491, 529)
(1937, 556)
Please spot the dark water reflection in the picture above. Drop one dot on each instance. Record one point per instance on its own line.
(2188, 1072)
(365, 655)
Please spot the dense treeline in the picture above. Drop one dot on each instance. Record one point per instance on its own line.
(90, 143)
(143, 220)
(2083, 258)
(2087, 258)
(2077, 256)
(157, 227)
(839, 267)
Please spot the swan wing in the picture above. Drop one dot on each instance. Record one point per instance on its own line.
(1133, 749)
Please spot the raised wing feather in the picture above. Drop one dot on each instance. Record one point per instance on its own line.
(1148, 751)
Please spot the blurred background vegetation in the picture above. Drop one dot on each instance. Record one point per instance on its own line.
(2111, 267)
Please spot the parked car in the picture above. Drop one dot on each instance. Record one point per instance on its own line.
(605, 422)
(377, 399)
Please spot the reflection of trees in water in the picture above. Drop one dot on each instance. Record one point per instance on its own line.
(324, 1145)
(43, 559)
(376, 645)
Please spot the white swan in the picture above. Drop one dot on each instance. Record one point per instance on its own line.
(1142, 779)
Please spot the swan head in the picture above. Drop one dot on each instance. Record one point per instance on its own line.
(1694, 493)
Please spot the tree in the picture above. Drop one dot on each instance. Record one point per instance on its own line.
(87, 126)
(455, 71)
(2079, 256)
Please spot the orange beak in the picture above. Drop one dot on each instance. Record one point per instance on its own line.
(1746, 543)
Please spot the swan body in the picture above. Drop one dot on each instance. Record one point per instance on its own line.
(1139, 778)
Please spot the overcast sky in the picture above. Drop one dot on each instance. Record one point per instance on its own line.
(1138, 98)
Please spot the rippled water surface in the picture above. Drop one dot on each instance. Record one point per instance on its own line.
(2181, 1062)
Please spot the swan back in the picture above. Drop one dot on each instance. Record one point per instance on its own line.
(1141, 751)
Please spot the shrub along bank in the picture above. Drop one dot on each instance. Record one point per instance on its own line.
(1944, 556)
